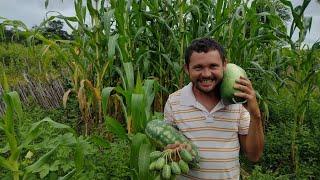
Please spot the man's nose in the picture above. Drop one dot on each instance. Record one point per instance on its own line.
(206, 72)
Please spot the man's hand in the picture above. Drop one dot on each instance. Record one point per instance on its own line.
(178, 146)
(247, 92)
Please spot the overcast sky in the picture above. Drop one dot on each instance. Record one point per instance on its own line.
(32, 12)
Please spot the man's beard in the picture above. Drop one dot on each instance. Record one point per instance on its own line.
(215, 88)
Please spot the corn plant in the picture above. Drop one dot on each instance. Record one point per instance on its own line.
(299, 73)
(92, 50)
(135, 97)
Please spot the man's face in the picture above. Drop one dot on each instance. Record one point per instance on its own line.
(205, 70)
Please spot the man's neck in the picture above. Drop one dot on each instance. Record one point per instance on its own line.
(208, 100)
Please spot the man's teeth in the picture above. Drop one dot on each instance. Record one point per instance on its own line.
(207, 80)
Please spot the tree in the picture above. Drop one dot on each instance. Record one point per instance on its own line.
(54, 30)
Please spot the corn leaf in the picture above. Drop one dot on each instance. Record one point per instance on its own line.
(138, 112)
(4, 80)
(136, 142)
(65, 98)
(79, 157)
(115, 127)
(149, 93)
(34, 131)
(9, 123)
(138, 87)
(93, 12)
(144, 161)
(128, 68)
(124, 109)
(53, 124)
(6, 164)
(16, 103)
(106, 19)
(105, 98)
(112, 46)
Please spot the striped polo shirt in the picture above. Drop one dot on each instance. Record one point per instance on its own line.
(215, 133)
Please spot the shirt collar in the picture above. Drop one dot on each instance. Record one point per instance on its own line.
(188, 98)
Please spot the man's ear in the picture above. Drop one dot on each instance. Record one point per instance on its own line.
(185, 67)
(225, 64)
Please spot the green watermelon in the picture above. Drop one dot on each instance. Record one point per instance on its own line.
(230, 75)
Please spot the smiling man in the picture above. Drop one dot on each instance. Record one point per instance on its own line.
(217, 129)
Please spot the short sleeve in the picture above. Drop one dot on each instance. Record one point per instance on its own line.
(168, 113)
(244, 121)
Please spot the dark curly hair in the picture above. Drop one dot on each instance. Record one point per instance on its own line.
(203, 45)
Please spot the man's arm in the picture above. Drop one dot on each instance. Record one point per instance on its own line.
(252, 143)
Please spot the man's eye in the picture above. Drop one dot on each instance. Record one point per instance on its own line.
(213, 66)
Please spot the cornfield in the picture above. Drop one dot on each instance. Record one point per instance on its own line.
(126, 57)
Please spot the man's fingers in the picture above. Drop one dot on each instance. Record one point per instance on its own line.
(172, 146)
(244, 81)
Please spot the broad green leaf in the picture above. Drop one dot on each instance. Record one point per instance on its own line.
(68, 176)
(118, 70)
(136, 142)
(6, 164)
(105, 98)
(124, 109)
(51, 123)
(144, 161)
(68, 139)
(149, 92)
(79, 157)
(316, 46)
(115, 127)
(287, 3)
(112, 46)
(41, 161)
(139, 32)
(100, 141)
(138, 112)
(78, 9)
(16, 103)
(107, 21)
(93, 12)
(9, 126)
(34, 130)
(128, 68)
(138, 87)
(44, 170)
(4, 80)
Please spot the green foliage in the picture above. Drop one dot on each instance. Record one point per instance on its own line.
(34, 142)
(101, 159)
(17, 59)
(277, 157)
(258, 174)
(139, 159)
(109, 163)
(135, 47)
